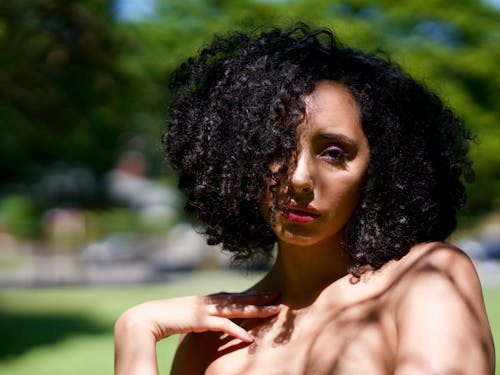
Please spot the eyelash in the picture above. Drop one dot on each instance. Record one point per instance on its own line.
(339, 157)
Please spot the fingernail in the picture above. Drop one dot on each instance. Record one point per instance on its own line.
(272, 308)
(250, 337)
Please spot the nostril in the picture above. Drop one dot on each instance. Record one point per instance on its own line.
(303, 185)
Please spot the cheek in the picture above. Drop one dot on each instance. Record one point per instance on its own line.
(351, 200)
(351, 186)
(344, 197)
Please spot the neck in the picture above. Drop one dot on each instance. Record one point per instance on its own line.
(300, 273)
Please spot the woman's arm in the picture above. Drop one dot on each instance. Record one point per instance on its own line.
(441, 318)
(139, 328)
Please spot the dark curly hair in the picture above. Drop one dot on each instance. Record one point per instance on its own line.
(235, 110)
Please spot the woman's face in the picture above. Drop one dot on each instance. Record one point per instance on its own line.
(331, 162)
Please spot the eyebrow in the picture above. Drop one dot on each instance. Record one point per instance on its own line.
(340, 138)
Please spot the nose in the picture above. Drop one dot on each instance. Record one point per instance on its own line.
(301, 179)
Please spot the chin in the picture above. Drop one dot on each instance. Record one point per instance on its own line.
(300, 235)
(298, 239)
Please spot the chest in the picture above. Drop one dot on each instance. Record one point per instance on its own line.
(359, 339)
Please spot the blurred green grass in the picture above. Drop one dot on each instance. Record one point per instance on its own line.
(51, 331)
(70, 330)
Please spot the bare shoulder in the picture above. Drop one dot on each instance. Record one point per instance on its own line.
(438, 269)
(439, 262)
(439, 313)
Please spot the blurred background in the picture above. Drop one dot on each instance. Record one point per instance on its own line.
(90, 220)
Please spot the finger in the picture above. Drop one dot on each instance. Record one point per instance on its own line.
(246, 298)
(218, 324)
(237, 310)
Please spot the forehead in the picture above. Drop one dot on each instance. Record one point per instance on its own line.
(331, 108)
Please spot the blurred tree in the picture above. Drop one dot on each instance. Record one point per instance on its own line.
(452, 46)
(76, 85)
(62, 97)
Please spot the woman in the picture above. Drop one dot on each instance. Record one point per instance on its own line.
(356, 172)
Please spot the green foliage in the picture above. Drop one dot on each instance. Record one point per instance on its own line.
(123, 220)
(79, 87)
(18, 216)
(111, 221)
(61, 93)
(452, 46)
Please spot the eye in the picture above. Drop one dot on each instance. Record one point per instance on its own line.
(334, 154)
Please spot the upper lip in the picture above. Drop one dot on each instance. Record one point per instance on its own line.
(306, 210)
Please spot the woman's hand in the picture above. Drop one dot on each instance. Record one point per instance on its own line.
(139, 328)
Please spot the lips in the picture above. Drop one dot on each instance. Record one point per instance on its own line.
(300, 215)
